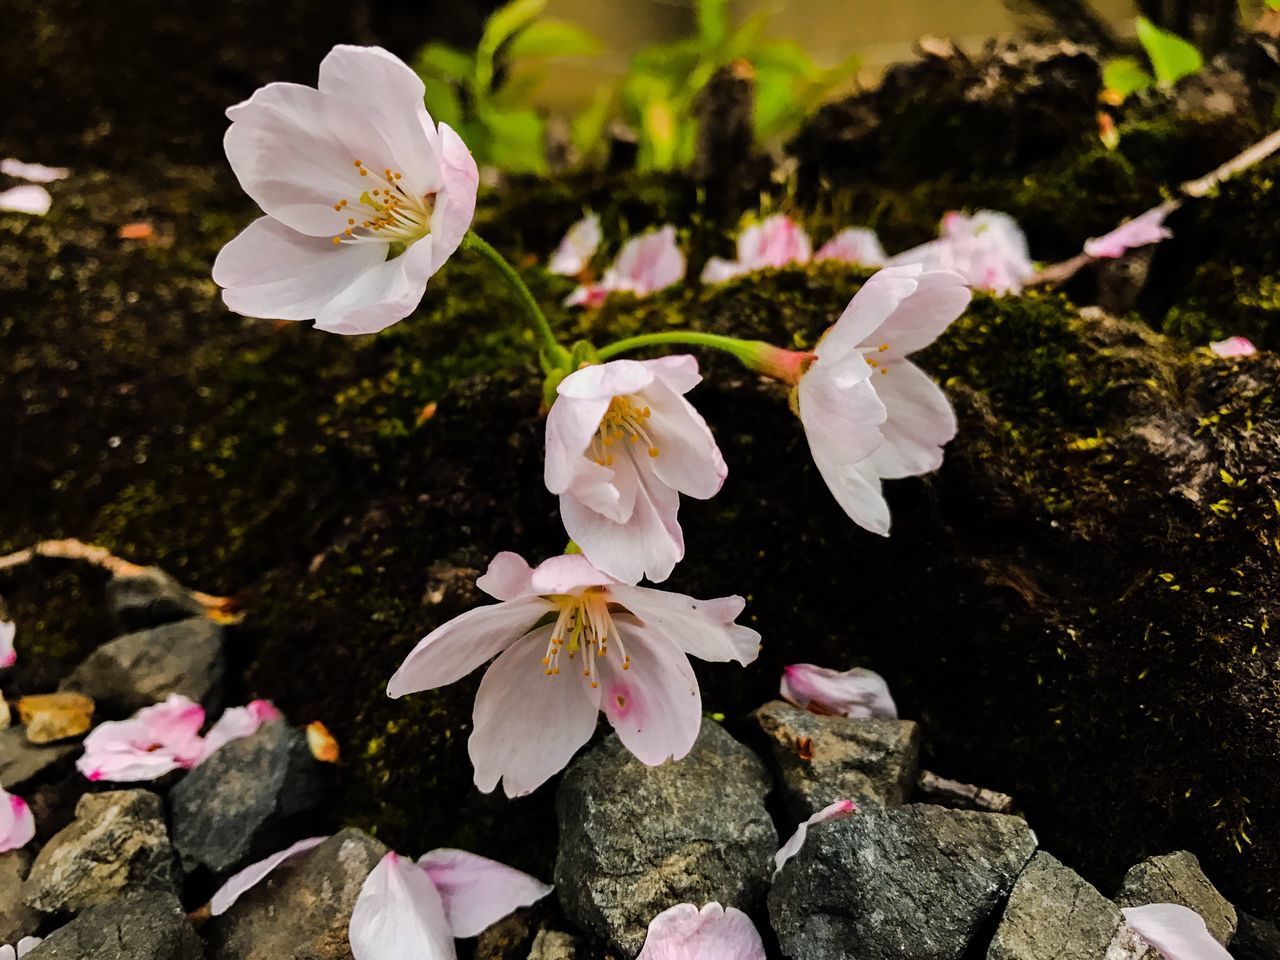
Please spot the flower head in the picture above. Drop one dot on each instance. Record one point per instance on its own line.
(684, 932)
(1178, 932)
(365, 197)
(1234, 347)
(852, 693)
(622, 445)
(988, 249)
(645, 265)
(1138, 232)
(855, 245)
(774, 242)
(570, 642)
(8, 655)
(577, 248)
(832, 811)
(17, 825)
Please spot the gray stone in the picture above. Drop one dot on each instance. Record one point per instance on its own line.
(635, 840)
(1177, 878)
(149, 597)
(117, 845)
(139, 669)
(141, 927)
(244, 801)
(302, 910)
(554, 945)
(22, 763)
(1054, 912)
(16, 919)
(897, 883)
(1255, 939)
(820, 759)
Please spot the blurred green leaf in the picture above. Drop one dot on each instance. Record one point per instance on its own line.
(552, 38)
(516, 140)
(587, 129)
(507, 20)
(658, 122)
(1273, 4)
(443, 61)
(1172, 58)
(444, 104)
(713, 22)
(1125, 76)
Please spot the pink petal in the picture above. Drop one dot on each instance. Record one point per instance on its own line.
(17, 825)
(684, 932)
(1233, 347)
(571, 427)
(568, 574)
(855, 245)
(248, 878)
(718, 270)
(456, 201)
(607, 380)
(577, 248)
(840, 410)
(858, 490)
(509, 577)
(155, 741)
(1138, 232)
(380, 296)
(454, 649)
(873, 304)
(478, 892)
(702, 629)
(834, 811)
(1176, 931)
(689, 459)
(648, 544)
(775, 242)
(27, 198)
(919, 422)
(33, 172)
(27, 944)
(940, 297)
(8, 655)
(679, 371)
(850, 693)
(647, 264)
(399, 915)
(988, 249)
(526, 725)
(237, 723)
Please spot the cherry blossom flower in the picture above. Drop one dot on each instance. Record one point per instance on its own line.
(1234, 347)
(832, 811)
(1176, 931)
(855, 245)
(25, 946)
(645, 265)
(241, 883)
(8, 655)
(577, 248)
(774, 242)
(17, 825)
(32, 172)
(409, 911)
(26, 198)
(988, 249)
(365, 197)
(684, 932)
(622, 445)
(1138, 232)
(627, 652)
(855, 693)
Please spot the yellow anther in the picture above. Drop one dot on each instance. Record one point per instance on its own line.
(336, 241)
(594, 684)
(337, 206)
(884, 369)
(364, 172)
(884, 347)
(351, 219)
(356, 162)
(653, 451)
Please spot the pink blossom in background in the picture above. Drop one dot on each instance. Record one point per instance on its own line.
(622, 445)
(8, 655)
(855, 245)
(1176, 931)
(777, 241)
(1234, 347)
(25, 946)
(645, 265)
(684, 932)
(32, 172)
(868, 412)
(624, 651)
(365, 197)
(577, 248)
(17, 825)
(409, 911)
(988, 249)
(248, 878)
(855, 693)
(832, 811)
(1138, 232)
(27, 198)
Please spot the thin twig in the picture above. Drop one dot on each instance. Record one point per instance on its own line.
(964, 795)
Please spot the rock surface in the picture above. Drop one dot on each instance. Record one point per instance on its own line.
(1255, 939)
(22, 763)
(117, 845)
(16, 919)
(149, 926)
(554, 945)
(142, 668)
(820, 759)
(1054, 912)
(901, 883)
(51, 717)
(635, 840)
(1177, 878)
(243, 800)
(149, 598)
(302, 910)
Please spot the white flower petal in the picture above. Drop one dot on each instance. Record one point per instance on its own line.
(478, 892)
(399, 916)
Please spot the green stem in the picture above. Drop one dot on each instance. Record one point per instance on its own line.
(555, 352)
(744, 350)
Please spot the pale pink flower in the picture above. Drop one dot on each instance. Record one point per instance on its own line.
(27, 198)
(241, 883)
(622, 445)
(832, 811)
(8, 655)
(627, 652)
(32, 172)
(25, 946)
(855, 693)
(365, 196)
(236, 723)
(855, 245)
(645, 265)
(684, 932)
(777, 241)
(17, 825)
(1177, 932)
(988, 249)
(1234, 347)
(577, 248)
(409, 911)
(1138, 232)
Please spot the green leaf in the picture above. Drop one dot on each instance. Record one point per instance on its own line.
(1125, 75)
(444, 62)
(444, 104)
(1171, 57)
(553, 38)
(1273, 4)
(508, 20)
(713, 22)
(516, 140)
(588, 128)
(660, 132)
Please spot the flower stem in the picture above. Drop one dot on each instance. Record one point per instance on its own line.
(744, 350)
(556, 353)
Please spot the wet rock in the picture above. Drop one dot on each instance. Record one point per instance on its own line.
(634, 839)
(22, 763)
(903, 883)
(302, 910)
(149, 597)
(16, 919)
(117, 845)
(512, 936)
(554, 945)
(1177, 878)
(819, 759)
(1054, 912)
(248, 799)
(1255, 939)
(50, 717)
(141, 927)
(139, 669)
